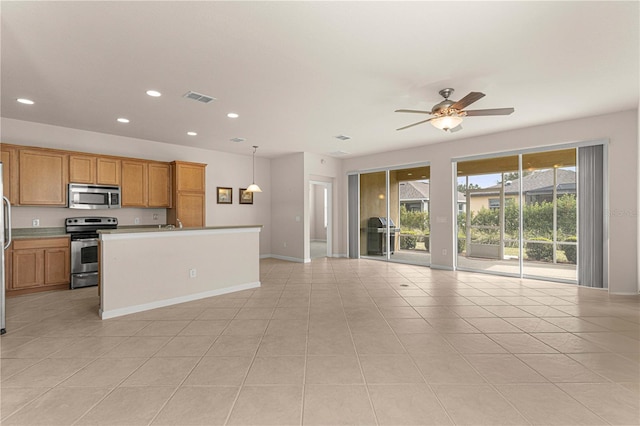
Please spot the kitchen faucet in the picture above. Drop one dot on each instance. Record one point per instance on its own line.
(179, 223)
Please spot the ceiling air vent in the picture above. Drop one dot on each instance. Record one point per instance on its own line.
(339, 153)
(237, 140)
(343, 137)
(205, 99)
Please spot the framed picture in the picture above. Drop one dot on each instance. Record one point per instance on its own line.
(245, 196)
(225, 195)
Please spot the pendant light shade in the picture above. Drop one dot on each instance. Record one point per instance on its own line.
(253, 187)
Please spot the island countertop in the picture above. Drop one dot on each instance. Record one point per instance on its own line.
(146, 229)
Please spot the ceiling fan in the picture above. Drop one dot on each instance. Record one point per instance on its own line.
(448, 114)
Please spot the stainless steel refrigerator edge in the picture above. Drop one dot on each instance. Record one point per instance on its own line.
(5, 240)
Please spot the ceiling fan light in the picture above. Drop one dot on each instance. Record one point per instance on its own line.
(446, 122)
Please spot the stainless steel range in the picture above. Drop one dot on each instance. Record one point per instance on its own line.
(84, 247)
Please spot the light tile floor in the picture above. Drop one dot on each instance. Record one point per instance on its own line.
(332, 342)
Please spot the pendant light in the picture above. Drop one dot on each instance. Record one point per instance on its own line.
(253, 187)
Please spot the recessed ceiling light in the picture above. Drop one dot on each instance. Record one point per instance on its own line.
(232, 115)
(154, 93)
(192, 133)
(123, 120)
(25, 101)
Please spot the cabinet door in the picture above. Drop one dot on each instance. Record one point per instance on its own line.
(159, 185)
(82, 169)
(190, 177)
(56, 266)
(43, 177)
(28, 269)
(108, 171)
(134, 184)
(190, 209)
(10, 173)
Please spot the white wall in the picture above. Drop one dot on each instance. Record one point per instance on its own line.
(287, 207)
(224, 169)
(620, 129)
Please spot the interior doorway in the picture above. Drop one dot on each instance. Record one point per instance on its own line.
(320, 219)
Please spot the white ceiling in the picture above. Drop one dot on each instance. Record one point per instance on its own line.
(300, 73)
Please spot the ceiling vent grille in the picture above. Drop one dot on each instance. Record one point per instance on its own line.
(343, 137)
(205, 99)
(237, 140)
(339, 153)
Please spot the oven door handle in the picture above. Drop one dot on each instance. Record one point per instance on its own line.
(85, 240)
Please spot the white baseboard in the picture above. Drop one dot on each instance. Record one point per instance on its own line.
(441, 267)
(290, 259)
(174, 301)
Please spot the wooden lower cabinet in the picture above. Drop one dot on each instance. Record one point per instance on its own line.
(39, 264)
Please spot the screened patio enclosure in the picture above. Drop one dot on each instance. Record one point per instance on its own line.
(521, 215)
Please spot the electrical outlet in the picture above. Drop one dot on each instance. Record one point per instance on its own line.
(193, 273)
(444, 252)
(35, 222)
(136, 221)
(284, 244)
(155, 216)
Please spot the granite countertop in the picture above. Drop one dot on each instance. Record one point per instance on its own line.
(24, 233)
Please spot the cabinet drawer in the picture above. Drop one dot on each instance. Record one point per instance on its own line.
(41, 243)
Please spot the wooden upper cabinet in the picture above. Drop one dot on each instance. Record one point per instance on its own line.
(134, 188)
(189, 195)
(108, 171)
(91, 169)
(190, 176)
(10, 172)
(159, 184)
(82, 169)
(43, 177)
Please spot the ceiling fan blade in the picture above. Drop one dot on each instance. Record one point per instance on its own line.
(494, 111)
(415, 124)
(413, 110)
(467, 100)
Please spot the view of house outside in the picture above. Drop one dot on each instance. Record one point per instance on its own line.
(549, 216)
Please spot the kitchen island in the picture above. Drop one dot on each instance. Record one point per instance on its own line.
(148, 268)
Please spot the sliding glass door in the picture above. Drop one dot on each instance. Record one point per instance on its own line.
(521, 215)
(550, 214)
(489, 225)
(394, 215)
(373, 215)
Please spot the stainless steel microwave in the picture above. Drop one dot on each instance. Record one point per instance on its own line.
(83, 196)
